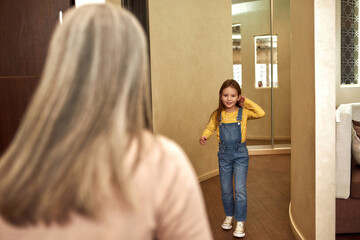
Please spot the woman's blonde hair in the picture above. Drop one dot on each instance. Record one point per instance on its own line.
(88, 106)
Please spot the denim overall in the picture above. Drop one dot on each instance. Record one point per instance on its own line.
(233, 160)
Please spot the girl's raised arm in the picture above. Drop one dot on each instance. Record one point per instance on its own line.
(255, 111)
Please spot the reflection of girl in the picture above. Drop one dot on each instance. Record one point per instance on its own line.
(82, 165)
(230, 120)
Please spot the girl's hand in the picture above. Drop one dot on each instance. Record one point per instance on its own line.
(202, 140)
(242, 100)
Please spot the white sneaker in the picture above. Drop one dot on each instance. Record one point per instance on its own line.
(227, 224)
(239, 230)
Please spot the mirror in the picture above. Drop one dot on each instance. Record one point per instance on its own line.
(264, 52)
(261, 64)
(251, 19)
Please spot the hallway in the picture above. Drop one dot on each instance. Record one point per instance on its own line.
(268, 187)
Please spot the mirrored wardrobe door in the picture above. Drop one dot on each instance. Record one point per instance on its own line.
(281, 74)
(252, 62)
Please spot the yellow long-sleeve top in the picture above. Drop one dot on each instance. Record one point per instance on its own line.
(250, 111)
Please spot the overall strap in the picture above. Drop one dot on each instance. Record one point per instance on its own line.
(239, 116)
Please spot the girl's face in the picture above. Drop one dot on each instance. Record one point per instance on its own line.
(229, 97)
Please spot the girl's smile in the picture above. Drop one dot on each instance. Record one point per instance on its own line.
(229, 97)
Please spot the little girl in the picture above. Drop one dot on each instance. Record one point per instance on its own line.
(229, 120)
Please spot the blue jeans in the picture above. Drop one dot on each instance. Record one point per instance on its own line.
(234, 160)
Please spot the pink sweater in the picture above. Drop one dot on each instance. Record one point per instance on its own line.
(169, 205)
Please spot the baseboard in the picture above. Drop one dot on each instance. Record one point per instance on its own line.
(249, 137)
(294, 229)
(208, 175)
(268, 150)
(253, 152)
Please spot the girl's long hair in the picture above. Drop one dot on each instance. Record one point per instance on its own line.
(90, 103)
(228, 83)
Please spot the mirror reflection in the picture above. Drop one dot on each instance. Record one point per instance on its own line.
(263, 72)
(261, 65)
(264, 52)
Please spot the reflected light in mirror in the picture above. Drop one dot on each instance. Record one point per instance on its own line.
(246, 7)
(79, 3)
(263, 66)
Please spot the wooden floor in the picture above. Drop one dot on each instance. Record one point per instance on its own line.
(268, 187)
(268, 201)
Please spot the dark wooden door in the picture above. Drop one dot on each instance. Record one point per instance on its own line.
(25, 31)
(140, 9)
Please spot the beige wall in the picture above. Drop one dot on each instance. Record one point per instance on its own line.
(344, 94)
(325, 105)
(257, 22)
(312, 117)
(191, 55)
(116, 2)
(303, 130)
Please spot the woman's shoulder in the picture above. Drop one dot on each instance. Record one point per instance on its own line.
(172, 151)
(163, 151)
(163, 163)
(158, 142)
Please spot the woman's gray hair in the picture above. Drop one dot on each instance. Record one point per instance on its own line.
(91, 102)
